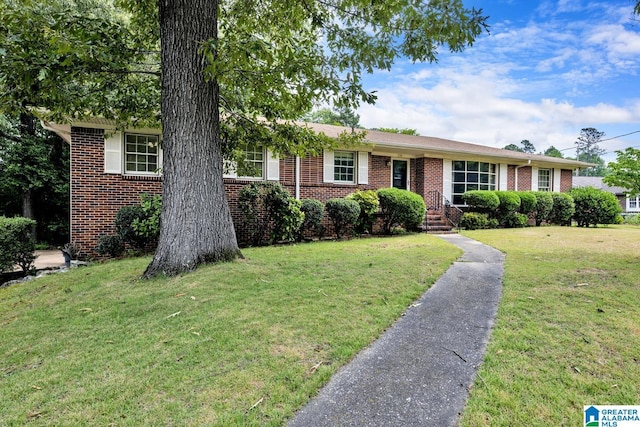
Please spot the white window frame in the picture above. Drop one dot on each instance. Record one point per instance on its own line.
(633, 204)
(541, 173)
(250, 153)
(353, 167)
(467, 184)
(126, 153)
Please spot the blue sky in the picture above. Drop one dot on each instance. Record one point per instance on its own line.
(546, 70)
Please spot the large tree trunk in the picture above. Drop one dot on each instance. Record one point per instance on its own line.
(196, 224)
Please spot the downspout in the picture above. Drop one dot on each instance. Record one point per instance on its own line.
(297, 178)
(518, 167)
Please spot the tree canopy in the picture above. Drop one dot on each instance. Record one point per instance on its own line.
(524, 147)
(625, 171)
(258, 64)
(587, 150)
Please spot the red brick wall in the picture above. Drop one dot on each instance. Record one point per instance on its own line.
(524, 178)
(511, 177)
(433, 171)
(98, 196)
(566, 180)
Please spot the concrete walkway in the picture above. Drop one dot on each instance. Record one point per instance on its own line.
(418, 373)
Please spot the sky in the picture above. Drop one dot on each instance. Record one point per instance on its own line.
(545, 70)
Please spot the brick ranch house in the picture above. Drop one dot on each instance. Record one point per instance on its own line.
(110, 169)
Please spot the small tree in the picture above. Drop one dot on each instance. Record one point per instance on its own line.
(625, 171)
(16, 243)
(343, 213)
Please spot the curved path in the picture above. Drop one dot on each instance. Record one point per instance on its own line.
(418, 373)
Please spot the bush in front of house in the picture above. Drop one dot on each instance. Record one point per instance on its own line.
(594, 206)
(509, 204)
(343, 213)
(632, 219)
(270, 214)
(483, 201)
(563, 209)
(111, 246)
(400, 207)
(16, 243)
(125, 218)
(528, 202)
(369, 205)
(474, 221)
(515, 220)
(313, 213)
(148, 226)
(544, 206)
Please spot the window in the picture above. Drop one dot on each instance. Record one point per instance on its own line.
(253, 166)
(544, 179)
(141, 153)
(344, 165)
(633, 204)
(471, 176)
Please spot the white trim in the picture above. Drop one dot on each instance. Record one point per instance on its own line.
(273, 166)
(447, 177)
(534, 178)
(637, 208)
(327, 159)
(557, 179)
(123, 154)
(113, 153)
(503, 180)
(363, 167)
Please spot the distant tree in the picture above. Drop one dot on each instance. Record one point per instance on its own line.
(405, 131)
(525, 147)
(587, 150)
(553, 152)
(343, 117)
(34, 177)
(625, 171)
(513, 147)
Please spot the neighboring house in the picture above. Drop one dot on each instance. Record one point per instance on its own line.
(629, 205)
(110, 169)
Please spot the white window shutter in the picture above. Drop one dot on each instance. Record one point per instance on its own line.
(363, 167)
(534, 179)
(557, 175)
(273, 166)
(113, 153)
(503, 180)
(328, 166)
(447, 176)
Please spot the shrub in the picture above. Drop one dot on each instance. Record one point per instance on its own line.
(528, 202)
(474, 221)
(544, 206)
(16, 243)
(509, 204)
(343, 213)
(481, 200)
(125, 218)
(595, 207)
(632, 219)
(269, 210)
(313, 213)
(563, 209)
(515, 220)
(369, 205)
(400, 207)
(148, 226)
(111, 246)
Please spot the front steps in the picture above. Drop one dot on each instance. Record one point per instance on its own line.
(436, 223)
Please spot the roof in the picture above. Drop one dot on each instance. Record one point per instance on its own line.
(440, 147)
(596, 182)
(387, 143)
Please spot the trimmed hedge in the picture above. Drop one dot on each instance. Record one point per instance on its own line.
(16, 243)
(313, 213)
(481, 200)
(369, 205)
(401, 207)
(563, 209)
(544, 205)
(595, 207)
(474, 221)
(343, 213)
(528, 202)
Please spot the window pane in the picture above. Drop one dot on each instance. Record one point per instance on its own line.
(459, 188)
(484, 167)
(484, 178)
(344, 166)
(459, 177)
(471, 187)
(472, 166)
(472, 177)
(458, 166)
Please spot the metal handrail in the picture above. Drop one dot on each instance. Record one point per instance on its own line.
(437, 202)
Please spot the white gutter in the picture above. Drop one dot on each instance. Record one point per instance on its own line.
(297, 177)
(518, 167)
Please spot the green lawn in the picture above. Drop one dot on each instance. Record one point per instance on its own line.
(568, 327)
(243, 343)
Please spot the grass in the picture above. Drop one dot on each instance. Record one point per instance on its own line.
(567, 332)
(243, 343)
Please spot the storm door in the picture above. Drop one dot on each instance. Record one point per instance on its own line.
(399, 174)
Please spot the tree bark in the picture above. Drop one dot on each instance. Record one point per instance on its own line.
(196, 224)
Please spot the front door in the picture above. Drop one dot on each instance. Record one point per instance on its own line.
(399, 174)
